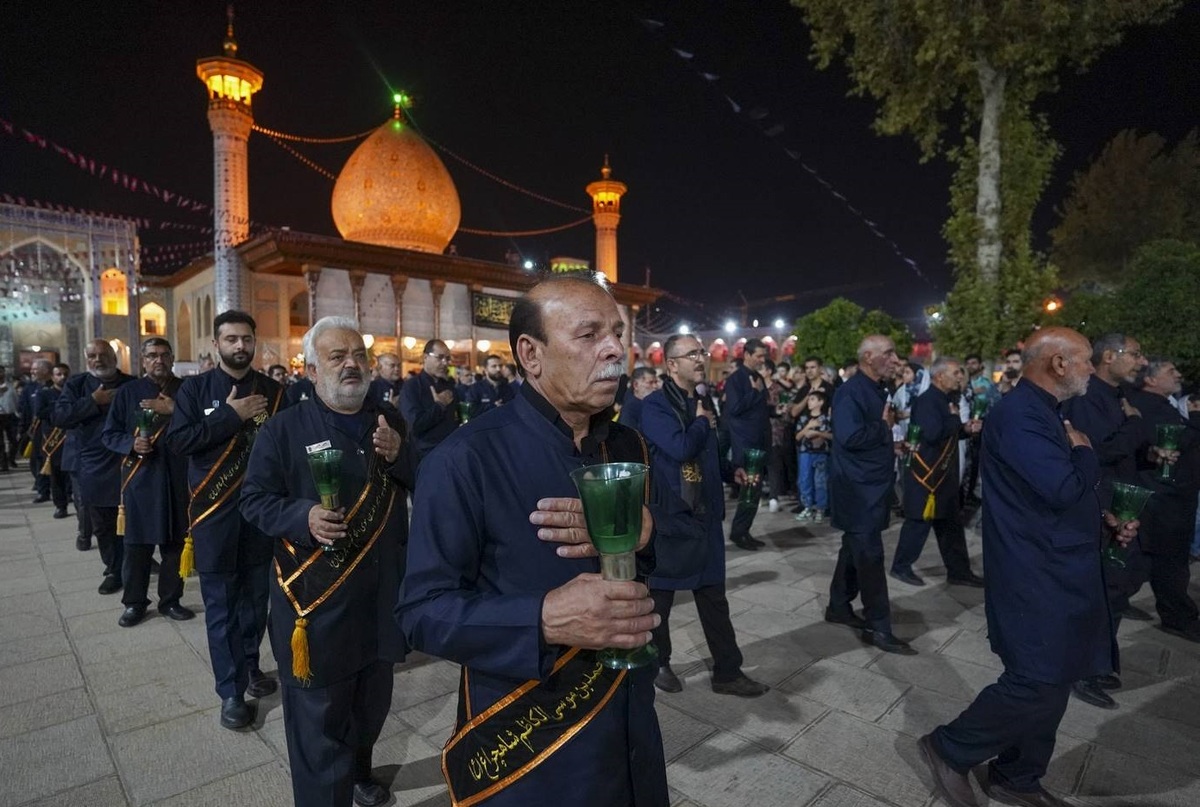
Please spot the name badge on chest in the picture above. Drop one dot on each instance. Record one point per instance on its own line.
(321, 446)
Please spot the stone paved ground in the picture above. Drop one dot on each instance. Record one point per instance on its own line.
(95, 715)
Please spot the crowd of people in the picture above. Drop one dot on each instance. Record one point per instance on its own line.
(494, 569)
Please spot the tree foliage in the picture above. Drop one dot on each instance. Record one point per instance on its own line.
(1154, 302)
(833, 332)
(938, 66)
(1138, 190)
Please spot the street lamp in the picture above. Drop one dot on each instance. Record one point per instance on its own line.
(683, 329)
(730, 326)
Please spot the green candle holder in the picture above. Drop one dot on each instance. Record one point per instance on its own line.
(1168, 440)
(979, 407)
(612, 496)
(464, 412)
(1127, 503)
(913, 438)
(753, 460)
(145, 422)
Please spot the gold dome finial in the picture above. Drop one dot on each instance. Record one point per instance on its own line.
(230, 42)
(605, 172)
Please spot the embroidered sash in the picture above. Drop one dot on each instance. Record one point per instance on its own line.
(309, 577)
(923, 473)
(224, 479)
(53, 442)
(495, 748)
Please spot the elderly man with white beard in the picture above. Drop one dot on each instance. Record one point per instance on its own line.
(338, 565)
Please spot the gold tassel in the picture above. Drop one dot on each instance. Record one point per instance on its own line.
(120, 519)
(930, 508)
(46, 469)
(187, 558)
(27, 452)
(301, 666)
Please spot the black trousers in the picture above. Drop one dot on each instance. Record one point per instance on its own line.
(859, 571)
(82, 514)
(112, 546)
(235, 615)
(713, 609)
(135, 574)
(9, 442)
(331, 733)
(971, 472)
(743, 519)
(1169, 574)
(40, 483)
(1013, 721)
(781, 470)
(952, 543)
(60, 487)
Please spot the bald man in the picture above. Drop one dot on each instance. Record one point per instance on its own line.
(81, 411)
(1047, 612)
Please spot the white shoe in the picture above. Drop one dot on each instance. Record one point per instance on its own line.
(804, 515)
(773, 505)
(817, 517)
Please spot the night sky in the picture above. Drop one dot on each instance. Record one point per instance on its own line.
(538, 93)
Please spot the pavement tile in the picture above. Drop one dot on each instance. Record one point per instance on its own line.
(105, 643)
(43, 762)
(949, 676)
(420, 680)
(769, 721)
(262, 785)
(859, 692)
(25, 624)
(183, 754)
(103, 793)
(727, 771)
(840, 746)
(433, 719)
(411, 768)
(973, 647)
(1114, 779)
(841, 795)
(22, 682)
(680, 730)
(48, 710)
(33, 648)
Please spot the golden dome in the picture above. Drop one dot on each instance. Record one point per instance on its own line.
(395, 192)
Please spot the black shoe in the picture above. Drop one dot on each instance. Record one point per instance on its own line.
(973, 580)
(236, 713)
(1136, 614)
(1021, 798)
(754, 541)
(954, 787)
(1110, 681)
(852, 619)
(370, 794)
(260, 685)
(667, 680)
(133, 615)
(887, 642)
(111, 584)
(83, 544)
(60, 512)
(177, 612)
(798, 508)
(1089, 691)
(1191, 631)
(741, 686)
(743, 542)
(41, 500)
(906, 577)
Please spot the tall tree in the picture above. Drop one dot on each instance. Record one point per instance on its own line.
(1138, 190)
(834, 331)
(930, 62)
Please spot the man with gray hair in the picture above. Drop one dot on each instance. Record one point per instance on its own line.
(1118, 434)
(30, 425)
(1160, 552)
(931, 480)
(338, 565)
(861, 476)
(81, 411)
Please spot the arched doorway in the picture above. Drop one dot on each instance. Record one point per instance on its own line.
(183, 334)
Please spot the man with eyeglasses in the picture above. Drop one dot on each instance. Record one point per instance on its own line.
(81, 411)
(153, 501)
(682, 433)
(1117, 433)
(427, 400)
(748, 415)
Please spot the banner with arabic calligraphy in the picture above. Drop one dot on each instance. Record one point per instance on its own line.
(491, 311)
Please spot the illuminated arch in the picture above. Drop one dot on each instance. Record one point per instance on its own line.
(183, 333)
(114, 296)
(153, 318)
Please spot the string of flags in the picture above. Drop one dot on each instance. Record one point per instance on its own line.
(772, 129)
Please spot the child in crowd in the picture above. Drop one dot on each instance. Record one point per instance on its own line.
(813, 437)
